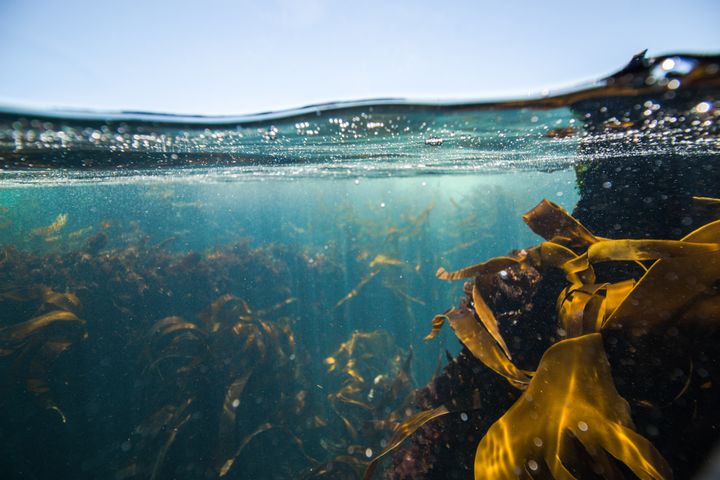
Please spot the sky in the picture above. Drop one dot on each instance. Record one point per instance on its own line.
(220, 57)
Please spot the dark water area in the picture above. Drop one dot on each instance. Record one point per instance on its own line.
(259, 296)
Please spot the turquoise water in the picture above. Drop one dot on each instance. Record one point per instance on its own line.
(248, 297)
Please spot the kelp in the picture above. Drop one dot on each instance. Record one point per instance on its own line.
(30, 348)
(682, 288)
(553, 223)
(57, 225)
(570, 404)
(243, 351)
(372, 377)
(166, 329)
(492, 266)
(482, 345)
(381, 259)
(402, 432)
(570, 409)
(356, 289)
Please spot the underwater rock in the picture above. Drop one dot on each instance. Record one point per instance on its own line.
(650, 195)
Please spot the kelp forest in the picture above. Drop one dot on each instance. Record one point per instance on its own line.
(581, 356)
(551, 321)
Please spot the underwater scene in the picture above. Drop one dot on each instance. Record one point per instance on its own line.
(368, 290)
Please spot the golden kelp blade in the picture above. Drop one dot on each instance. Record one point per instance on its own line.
(54, 227)
(385, 260)
(175, 427)
(352, 293)
(19, 332)
(246, 441)
(482, 345)
(403, 431)
(488, 320)
(266, 311)
(437, 322)
(571, 395)
(618, 250)
(674, 285)
(64, 301)
(226, 309)
(231, 404)
(492, 266)
(577, 268)
(552, 222)
(615, 293)
(39, 369)
(715, 202)
(164, 331)
(572, 313)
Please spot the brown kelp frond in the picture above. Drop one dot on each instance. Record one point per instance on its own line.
(491, 267)
(166, 329)
(707, 201)
(44, 296)
(581, 309)
(619, 250)
(681, 277)
(437, 322)
(265, 427)
(684, 286)
(403, 294)
(571, 397)
(243, 353)
(482, 345)
(249, 438)
(553, 223)
(363, 357)
(278, 306)
(381, 259)
(54, 227)
(415, 224)
(42, 324)
(402, 432)
(154, 438)
(30, 348)
(577, 268)
(223, 311)
(370, 389)
(488, 320)
(353, 293)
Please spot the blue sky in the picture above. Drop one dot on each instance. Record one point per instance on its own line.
(233, 57)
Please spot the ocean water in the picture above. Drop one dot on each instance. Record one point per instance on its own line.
(194, 297)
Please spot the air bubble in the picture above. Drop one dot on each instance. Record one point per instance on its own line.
(703, 107)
